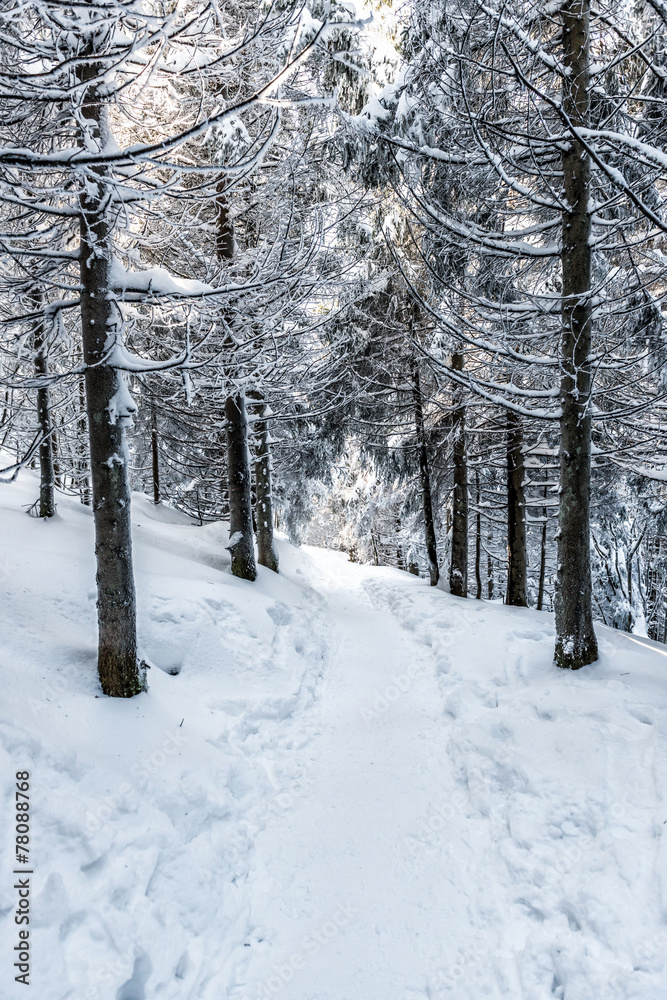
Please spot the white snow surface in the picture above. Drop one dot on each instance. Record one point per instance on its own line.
(342, 784)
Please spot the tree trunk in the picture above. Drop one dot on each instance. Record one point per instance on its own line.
(47, 503)
(240, 502)
(458, 569)
(489, 567)
(54, 451)
(516, 514)
(84, 480)
(576, 644)
(266, 549)
(543, 557)
(238, 455)
(425, 478)
(155, 456)
(478, 541)
(109, 409)
(376, 558)
(654, 575)
(399, 548)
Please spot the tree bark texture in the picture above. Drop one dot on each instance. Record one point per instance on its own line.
(458, 568)
(83, 464)
(478, 542)
(236, 423)
(107, 399)
(425, 478)
(516, 514)
(240, 500)
(543, 557)
(489, 567)
(576, 644)
(266, 549)
(654, 587)
(155, 456)
(400, 563)
(47, 476)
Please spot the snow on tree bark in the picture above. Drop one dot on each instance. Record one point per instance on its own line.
(458, 569)
(240, 499)
(120, 672)
(155, 456)
(47, 476)
(236, 424)
(266, 549)
(576, 644)
(478, 541)
(543, 556)
(516, 514)
(425, 478)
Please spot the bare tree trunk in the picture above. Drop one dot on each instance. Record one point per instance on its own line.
(629, 574)
(654, 577)
(576, 644)
(240, 502)
(266, 549)
(238, 455)
(478, 541)
(54, 451)
(425, 477)
(489, 568)
(155, 456)
(543, 557)
(400, 564)
(458, 569)
(84, 480)
(109, 409)
(47, 502)
(516, 514)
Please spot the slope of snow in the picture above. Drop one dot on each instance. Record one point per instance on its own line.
(341, 785)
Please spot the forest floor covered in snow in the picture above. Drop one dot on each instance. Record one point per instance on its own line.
(341, 785)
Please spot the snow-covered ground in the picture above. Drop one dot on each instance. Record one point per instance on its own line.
(341, 784)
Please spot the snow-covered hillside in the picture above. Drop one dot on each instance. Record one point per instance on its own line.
(341, 784)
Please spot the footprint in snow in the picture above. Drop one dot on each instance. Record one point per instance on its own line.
(279, 614)
(135, 987)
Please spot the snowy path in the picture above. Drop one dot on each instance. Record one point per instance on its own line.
(341, 897)
(446, 839)
(342, 784)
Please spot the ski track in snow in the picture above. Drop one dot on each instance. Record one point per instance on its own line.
(342, 785)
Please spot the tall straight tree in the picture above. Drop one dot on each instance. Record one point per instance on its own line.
(267, 554)
(425, 477)
(241, 544)
(47, 476)
(109, 408)
(576, 644)
(516, 514)
(458, 567)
